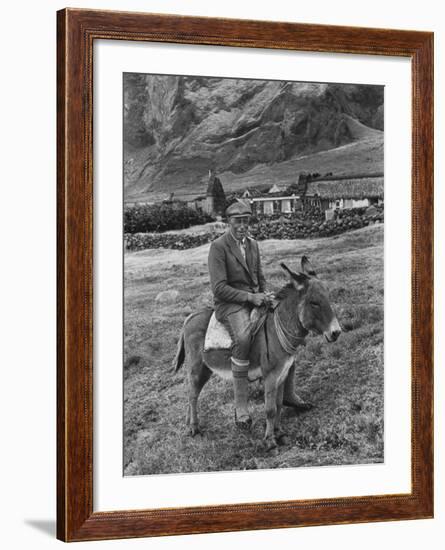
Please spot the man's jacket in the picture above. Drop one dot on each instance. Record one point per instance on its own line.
(231, 277)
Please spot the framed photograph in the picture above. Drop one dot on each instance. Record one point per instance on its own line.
(245, 275)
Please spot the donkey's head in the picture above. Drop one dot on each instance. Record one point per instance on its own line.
(315, 312)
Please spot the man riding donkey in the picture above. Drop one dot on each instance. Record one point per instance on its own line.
(238, 286)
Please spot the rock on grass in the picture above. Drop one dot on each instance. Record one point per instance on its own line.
(167, 296)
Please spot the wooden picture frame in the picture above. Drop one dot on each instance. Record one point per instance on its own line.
(76, 32)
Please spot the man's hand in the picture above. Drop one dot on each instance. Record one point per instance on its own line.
(257, 299)
(269, 297)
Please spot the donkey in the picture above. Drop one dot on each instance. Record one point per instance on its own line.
(301, 306)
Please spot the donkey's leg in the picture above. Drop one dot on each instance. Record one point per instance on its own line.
(277, 423)
(198, 375)
(280, 435)
(270, 396)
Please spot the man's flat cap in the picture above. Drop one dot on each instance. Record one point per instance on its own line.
(239, 208)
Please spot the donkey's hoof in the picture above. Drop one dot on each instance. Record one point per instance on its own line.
(244, 423)
(282, 438)
(298, 406)
(192, 430)
(270, 444)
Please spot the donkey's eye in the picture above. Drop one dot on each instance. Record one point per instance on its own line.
(315, 304)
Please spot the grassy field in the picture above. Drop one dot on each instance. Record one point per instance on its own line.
(344, 380)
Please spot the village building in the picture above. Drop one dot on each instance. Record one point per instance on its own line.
(173, 202)
(214, 201)
(277, 189)
(197, 203)
(326, 193)
(267, 206)
(215, 204)
(347, 192)
(266, 200)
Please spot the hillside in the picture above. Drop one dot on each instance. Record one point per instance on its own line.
(176, 128)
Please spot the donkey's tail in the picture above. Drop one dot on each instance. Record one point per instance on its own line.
(178, 360)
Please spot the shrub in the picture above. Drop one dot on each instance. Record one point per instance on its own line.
(144, 218)
(141, 241)
(140, 220)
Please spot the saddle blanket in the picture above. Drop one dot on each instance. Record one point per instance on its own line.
(218, 337)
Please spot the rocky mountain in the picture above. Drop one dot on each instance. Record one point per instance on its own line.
(177, 127)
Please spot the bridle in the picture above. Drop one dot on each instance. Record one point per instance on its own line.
(289, 342)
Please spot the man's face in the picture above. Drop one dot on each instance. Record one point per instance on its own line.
(239, 226)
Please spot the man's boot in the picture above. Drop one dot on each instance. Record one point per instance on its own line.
(241, 388)
(290, 398)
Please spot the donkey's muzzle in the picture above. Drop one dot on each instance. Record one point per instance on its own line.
(334, 332)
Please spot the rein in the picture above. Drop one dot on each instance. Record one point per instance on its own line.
(288, 341)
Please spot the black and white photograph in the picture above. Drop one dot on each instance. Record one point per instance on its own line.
(253, 270)
(222, 275)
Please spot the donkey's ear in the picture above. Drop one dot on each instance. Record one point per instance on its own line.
(284, 266)
(297, 279)
(306, 267)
